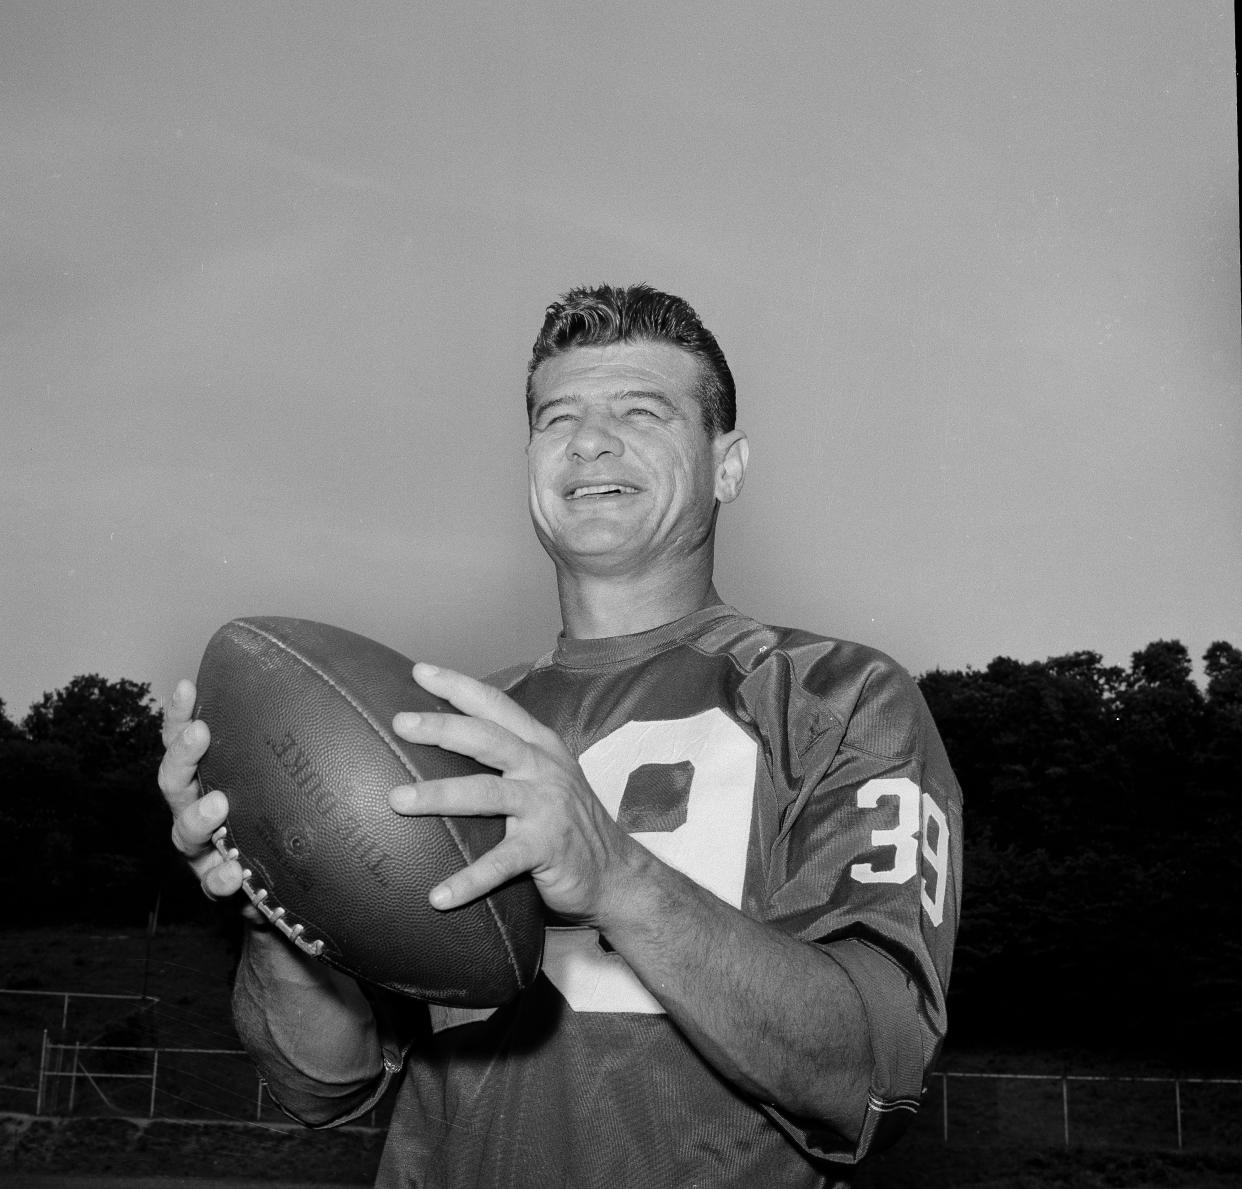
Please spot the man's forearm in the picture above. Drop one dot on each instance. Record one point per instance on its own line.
(777, 1017)
(309, 1029)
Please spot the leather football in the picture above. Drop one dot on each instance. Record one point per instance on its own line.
(302, 745)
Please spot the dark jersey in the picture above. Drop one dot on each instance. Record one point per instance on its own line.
(798, 778)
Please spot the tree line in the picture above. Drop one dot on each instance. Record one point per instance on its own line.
(1102, 851)
(1101, 857)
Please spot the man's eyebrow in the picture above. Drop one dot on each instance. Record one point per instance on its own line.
(554, 402)
(651, 394)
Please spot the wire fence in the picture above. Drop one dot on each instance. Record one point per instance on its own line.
(73, 1078)
(1085, 1110)
(73, 1054)
(136, 1081)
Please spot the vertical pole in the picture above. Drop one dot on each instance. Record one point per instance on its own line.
(155, 1065)
(73, 1077)
(64, 1017)
(1065, 1108)
(1177, 1098)
(42, 1075)
(153, 922)
(944, 1105)
(258, 1099)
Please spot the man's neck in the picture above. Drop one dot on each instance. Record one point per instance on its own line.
(594, 606)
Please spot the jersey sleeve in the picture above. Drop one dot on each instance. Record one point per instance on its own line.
(319, 1097)
(865, 862)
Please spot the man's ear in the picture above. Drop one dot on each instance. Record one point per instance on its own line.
(732, 453)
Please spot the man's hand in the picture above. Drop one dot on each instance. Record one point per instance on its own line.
(556, 829)
(195, 818)
(296, 1016)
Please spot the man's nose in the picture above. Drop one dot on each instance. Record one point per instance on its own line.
(593, 438)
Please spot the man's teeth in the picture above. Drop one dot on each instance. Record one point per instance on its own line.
(602, 489)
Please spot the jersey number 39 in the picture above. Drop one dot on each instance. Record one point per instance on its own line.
(917, 814)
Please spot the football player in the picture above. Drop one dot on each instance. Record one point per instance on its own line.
(747, 837)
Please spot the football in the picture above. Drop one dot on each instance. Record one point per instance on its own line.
(302, 745)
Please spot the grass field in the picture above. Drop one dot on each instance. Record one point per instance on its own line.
(1002, 1133)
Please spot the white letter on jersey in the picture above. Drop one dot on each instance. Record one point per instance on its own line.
(709, 847)
(904, 839)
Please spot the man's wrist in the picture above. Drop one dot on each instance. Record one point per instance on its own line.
(644, 898)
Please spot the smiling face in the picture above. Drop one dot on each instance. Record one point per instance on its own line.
(623, 475)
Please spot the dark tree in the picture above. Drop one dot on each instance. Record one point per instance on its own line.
(1101, 862)
(1034, 745)
(1161, 715)
(42, 791)
(1223, 665)
(8, 729)
(109, 724)
(77, 788)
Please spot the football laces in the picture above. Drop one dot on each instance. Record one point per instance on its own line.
(260, 898)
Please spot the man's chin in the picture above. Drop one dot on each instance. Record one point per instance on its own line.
(594, 548)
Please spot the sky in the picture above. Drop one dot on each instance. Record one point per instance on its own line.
(271, 273)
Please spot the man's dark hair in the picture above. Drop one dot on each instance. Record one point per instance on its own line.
(605, 314)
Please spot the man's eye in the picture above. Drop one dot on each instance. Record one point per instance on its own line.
(641, 411)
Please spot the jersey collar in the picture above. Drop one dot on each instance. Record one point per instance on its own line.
(605, 650)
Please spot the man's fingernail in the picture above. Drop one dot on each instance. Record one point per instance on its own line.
(440, 897)
(403, 797)
(428, 670)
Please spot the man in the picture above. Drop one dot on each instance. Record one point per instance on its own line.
(748, 839)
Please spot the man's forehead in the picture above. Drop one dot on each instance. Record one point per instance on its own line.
(619, 367)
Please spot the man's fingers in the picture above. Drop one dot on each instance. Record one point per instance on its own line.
(195, 818)
(178, 778)
(178, 710)
(458, 796)
(222, 880)
(478, 738)
(482, 701)
(501, 864)
(194, 825)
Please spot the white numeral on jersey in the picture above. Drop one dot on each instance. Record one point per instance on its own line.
(905, 840)
(903, 837)
(709, 846)
(937, 856)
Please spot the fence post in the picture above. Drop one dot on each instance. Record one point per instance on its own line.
(155, 1065)
(1065, 1108)
(73, 1077)
(1177, 1098)
(42, 1075)
(944, 1105)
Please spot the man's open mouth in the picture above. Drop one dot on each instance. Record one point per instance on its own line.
(599, 489)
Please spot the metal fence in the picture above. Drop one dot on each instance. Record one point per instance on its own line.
(29, 1013)
(66, 998)
(62, 1077)
(961, 1109)
(1085, 1110)
(146, 1082)
(134, 1081)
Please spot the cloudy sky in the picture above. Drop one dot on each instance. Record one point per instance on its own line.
(271, 273)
